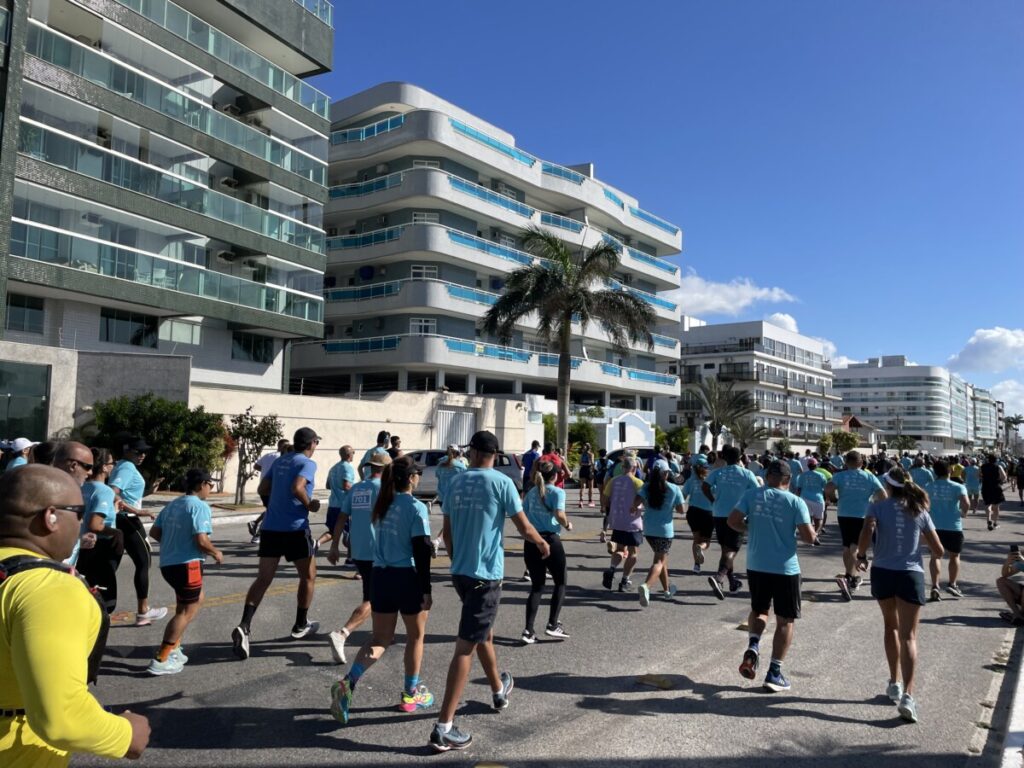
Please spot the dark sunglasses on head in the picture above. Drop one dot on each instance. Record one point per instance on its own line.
(77, 509)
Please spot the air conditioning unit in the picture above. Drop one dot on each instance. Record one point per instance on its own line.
(229, 182)
(382, 168)
(91, 219)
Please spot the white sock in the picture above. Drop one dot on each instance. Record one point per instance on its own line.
(444, 727)
(345, 632)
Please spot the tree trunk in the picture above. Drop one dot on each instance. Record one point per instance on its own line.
(240, 481)
(564, 371)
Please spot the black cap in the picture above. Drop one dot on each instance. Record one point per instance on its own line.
(196, 476)
(137, 445)
(485, 442)
(305, 437)
(779, 468)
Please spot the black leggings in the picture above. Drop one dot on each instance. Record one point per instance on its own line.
(99, 566)
(137, 548)
(538, 569)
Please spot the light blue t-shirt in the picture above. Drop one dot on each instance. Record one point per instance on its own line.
(179, 522)
(945, 496)
(405, 520)
(795, 467)
(972, 478)
(285, 512)
(17, 461)
(772, 518)
(128, 479)
(728, 484)
(341, 473)
(543, 517)
(369, 455)
(477, 504)
(922, 476)
(693, 491)
(658, 520)
(445, 473)
(358, 505)
(906, 462)
(99, 499)
(812, 486)
(898, 536)
(856, 487)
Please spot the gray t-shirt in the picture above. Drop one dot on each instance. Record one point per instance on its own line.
(898, 536)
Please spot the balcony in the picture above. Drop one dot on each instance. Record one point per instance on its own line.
(322, 9)
(650, 218)
(368, 131)
(488, 141)
(551, 169)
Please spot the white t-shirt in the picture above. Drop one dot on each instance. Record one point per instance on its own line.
(266, 461)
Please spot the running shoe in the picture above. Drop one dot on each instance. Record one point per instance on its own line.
(341, 700)
(337, 642)
(147, 618)
(669, 593)
(500, 698)
(240, 640)
(255, 539)
(995, 525)
(908, 708)
(590, 505)
(528, 637)
(421, 698)
(556, 630)
(856, 582)
(735, 584)
(607, 577)
(954, 590)
(433, 549)
(170, 667)
(816, 542)
(696, 569)
(935, 596)
(610, 546)
(179, 654)
(625, 585)
(252, 526)
(310, 628)
(525, 579)
(454, 739)
(645, 595)
(716, 587)
(990, 525)
(894, 691)
(844, 587)
(748, 667)
(603, 538)
(698, 557)
(775, 681)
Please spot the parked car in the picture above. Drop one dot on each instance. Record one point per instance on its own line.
(506, 463)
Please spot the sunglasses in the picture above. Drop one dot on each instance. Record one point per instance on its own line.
(77, 509)
(86, 465)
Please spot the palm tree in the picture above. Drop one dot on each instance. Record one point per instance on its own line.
(745, 431)
(721, 405)
(566, 286)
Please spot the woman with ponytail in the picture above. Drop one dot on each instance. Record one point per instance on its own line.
(897, 576)
(545, 508)
(662, 500)
(99, 564)
(400, 585)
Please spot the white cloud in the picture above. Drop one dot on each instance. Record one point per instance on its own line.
(698, 297)
(842, 361)
(991, 350)
(783, 320)
(1012, 394)
(832, 353)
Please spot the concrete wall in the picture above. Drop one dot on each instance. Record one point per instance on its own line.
(103, 375)
(63, 374)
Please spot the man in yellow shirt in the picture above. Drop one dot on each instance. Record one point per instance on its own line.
(49, 626)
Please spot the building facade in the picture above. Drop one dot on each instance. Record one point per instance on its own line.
(786, 374)
(427, 207)
(164, 179)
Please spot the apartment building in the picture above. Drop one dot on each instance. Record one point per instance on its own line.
(164, 179)
(427, 206)
(786, 373)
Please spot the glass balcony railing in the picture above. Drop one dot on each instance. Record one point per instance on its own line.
(374, 291)
(650, 218)
(355, 346)
(183, 24)
(613, 197)
(85, 61)
(611, 369)
(360, 188)
(561, 172)
(364, 240)
(367, 131)
(87, 255)
(493, 351)
(664, 341)
(651, 376)
(562, 222)
(485, 246)
(86, 157)
(472, 294)
(322, 9)
(548, 360)
(650, 298)
(508, 203)
(655, 262)
(500, 146)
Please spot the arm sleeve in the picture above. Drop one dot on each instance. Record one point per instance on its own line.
(51, 637)
(421, 554)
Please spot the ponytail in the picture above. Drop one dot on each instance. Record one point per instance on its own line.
(543, 473)
(396, 479)
(657, 487)
(912, 497)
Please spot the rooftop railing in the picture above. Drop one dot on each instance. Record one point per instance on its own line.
(322, 9)
(367, 131)
(552, 169)
(657, 221)
(506, 149)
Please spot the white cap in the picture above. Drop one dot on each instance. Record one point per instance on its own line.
(21, 444)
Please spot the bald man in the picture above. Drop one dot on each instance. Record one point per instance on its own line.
(75, 459)
(51, 632)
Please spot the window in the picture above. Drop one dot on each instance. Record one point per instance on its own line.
(255, 349)
(535, 346)
(180, 332)
(24, 313)
(709, 366)
(425, 217)
(422, 326)
(506, 240)
(120, 327)
(672, 419)
(423, 272)
(426, 163)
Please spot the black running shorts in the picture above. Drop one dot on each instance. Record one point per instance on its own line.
(659, 544)
(396, 590)
(291, 545)
(850, 528)
(627, 538)
(480, 601)
(908, 586)
(365, 569)
(952, 541)
(728, 539)
(774, 589)
(701, 522)
(186, 579)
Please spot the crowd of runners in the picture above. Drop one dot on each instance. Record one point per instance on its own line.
(892, 506)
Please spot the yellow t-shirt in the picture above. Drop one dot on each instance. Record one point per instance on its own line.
(956, 470)
(48, 625)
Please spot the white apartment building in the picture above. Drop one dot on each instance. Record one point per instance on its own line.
(424, 221)
(785, 373)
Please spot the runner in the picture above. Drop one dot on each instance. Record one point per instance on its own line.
(99, 563)
(356, 514)
(698, 511)
(545, 509)
(448, 467)
(724, 487)
(992, 478)
(183, 529)
(922, 475)
(128, 485)
(897, 525)
(949, 505)
(810, 487)
(662, 500)
(622, 508)
(396, 448)
(552, 455)
(1020, 479)
(401, 585)
(587, 475)
(770, 517)
(383, 437)
(340, 479)
(528, 458)
(286, 534)
(21, 448)
(852, 490)
(474, 520)
(906, 462)
(263, 466)
(972, 481)
(601, 467)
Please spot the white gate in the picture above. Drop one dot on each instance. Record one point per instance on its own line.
(455, 426)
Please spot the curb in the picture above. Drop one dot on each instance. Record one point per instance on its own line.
(1013, 744)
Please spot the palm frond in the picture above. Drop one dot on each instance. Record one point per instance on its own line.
(625, 318)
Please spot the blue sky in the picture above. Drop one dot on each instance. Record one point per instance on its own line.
(855, 166)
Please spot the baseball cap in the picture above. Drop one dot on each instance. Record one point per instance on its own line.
(700, 459)
(454, 447)
(379, 459)
(195, 476)
(485, 442)
(137, 445)
(812, 463)
(21, 444)
(305, 436)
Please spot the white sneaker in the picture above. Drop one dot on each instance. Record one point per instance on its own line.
(179, 654)
(895, 692)
(310, 629)
(147, 618)
(170, 667)
(337, 642)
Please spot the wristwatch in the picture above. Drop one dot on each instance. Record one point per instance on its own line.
(861, 557)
